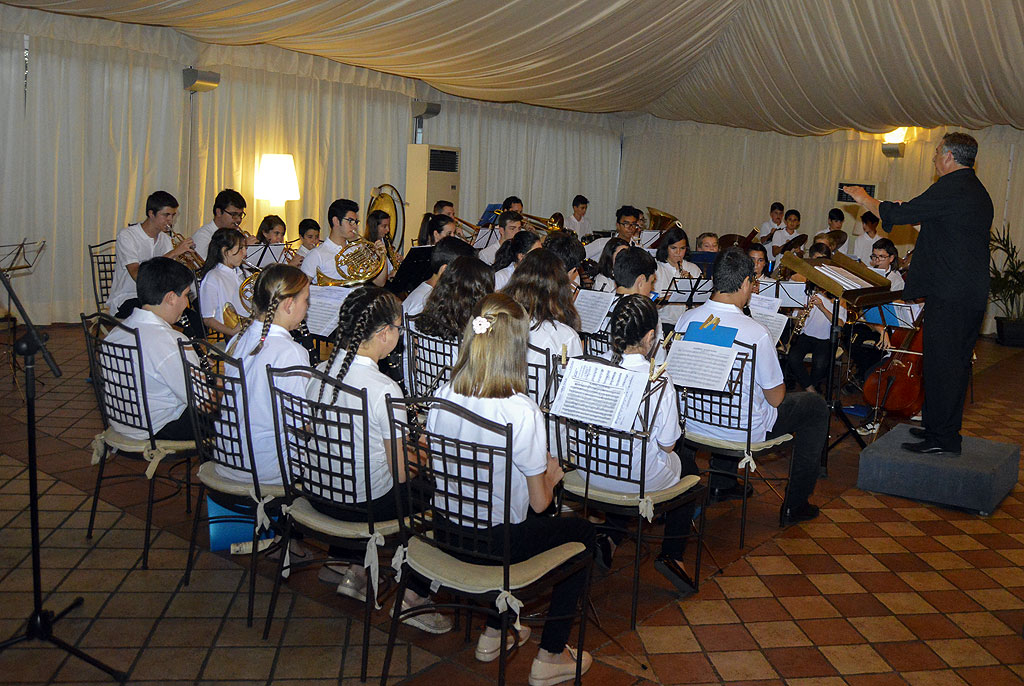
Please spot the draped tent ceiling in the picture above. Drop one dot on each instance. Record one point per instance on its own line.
(797, 67)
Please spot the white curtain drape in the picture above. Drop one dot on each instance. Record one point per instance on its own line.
(543, 156)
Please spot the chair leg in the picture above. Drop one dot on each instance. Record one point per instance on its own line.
(789, 482)
(743, 509)
(584, 601)
(96, 491)
(188, 484)
(371, 594)
(503, 647)
(395, 619)
(285, 542)
(192, 539)
(149, 523)
(636, 571)
(252, 572)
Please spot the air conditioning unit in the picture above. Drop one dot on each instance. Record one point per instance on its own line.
(431, 174)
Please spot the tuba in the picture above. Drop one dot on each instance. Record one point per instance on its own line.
(387, 198)
(662, 221)
(357, 262)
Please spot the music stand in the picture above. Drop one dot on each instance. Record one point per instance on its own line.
(39, 625)
(877, 293)
(489, 220)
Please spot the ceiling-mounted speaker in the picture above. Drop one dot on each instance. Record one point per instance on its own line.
(198, 81)
(425, 110)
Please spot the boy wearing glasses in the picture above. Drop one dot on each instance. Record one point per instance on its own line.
(343, 223)
(627, 224)
(228, 212)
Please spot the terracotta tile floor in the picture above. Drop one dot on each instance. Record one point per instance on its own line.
(878, 590)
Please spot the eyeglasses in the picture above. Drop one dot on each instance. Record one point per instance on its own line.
(399, 327)
(628, 225)
(237, 216)
(350, 220)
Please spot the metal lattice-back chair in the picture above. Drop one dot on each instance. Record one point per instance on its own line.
(429, 360)
(322, 446)
(730, 410)
(218, 404)
(620, 457)
(119, 379)
(103, 260)
(597, 344)
(445, 530)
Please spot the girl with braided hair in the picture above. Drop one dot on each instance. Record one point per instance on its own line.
(369, 328)
(280, 299)
(510, 254)
(634, 334)
(489, 380)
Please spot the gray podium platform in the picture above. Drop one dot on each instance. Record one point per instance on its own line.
(977, 479)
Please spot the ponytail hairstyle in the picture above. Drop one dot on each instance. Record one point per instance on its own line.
(449, 307)
(492, 359)
(222, 239)
(363, 313)
(633, 317)
(269, 222)
(372, 222)
(541, 285)
(274, 284)
(431, 228)
(606, 262)
(509, 251)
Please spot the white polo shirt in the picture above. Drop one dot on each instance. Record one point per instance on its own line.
(896, 282)
(490, 252)
(666, 273)
(581, 227)
(529, 446)
(503, 276)
(218, 288)
(596, 247)
(161, 362)
(817, 324)
(551, 336)
(413, 303)
(860, 247)
(767, 227)
(767, 373)
(202, 238)
(279, 350)
(781, 238)
(363, 373)
(133, 246)
(322, 257)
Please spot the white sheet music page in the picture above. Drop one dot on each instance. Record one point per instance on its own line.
(773, 321)
(669, 313)
(793, 293)
(764, 303)
(593, 306)
(600, 394)
(700, 365)
(845, 278)
(324, 301)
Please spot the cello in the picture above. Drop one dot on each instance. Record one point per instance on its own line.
(896, 385)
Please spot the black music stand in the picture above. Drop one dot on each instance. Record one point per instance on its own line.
(876, 294)
(39, 625)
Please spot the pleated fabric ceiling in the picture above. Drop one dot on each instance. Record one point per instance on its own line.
(793, 66)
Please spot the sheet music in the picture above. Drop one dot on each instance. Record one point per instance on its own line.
(262, 255)
(700, 365)
(648, 236)
(600, 394)
(593, 307)
(764, 303)
(773, 321)
(847, 279)
(670, 313)
(324, 301)
(768, 287)
(485, 237)
(793, 293)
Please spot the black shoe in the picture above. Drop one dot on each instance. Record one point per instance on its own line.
(604, 552)
(671, 570)
(918, 432)
(732, 493)
(929, 447)
(802, 513)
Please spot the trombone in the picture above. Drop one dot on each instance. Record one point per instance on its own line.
(468, 229)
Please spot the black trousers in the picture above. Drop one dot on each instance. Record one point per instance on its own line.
(864, 351)
(179, 429)
(532, 537)
(798, 348)
(950, 332)
(806, 416)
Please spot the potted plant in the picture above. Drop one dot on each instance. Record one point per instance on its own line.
(1007, 288)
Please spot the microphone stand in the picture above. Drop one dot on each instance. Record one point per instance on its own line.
(39, 625)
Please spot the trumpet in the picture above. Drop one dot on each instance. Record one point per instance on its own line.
(189, 258)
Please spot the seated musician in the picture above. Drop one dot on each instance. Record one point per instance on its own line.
(707, 242)
(228, 213)
(885, 259)
(774, 412)
(510, 222)
(759, 254)
(343, 220)
(271, 232)
(510, 254)
(789, 233)
(605, 279)
(220, 279)
(541, 285)
(309, 233)
(435, 227)
(369, 328)
(836, 217)
(442, 255)
(671, 257)
(448, 307)
(774, 224)
(869, 340)
(566, 246)
(635, 330)
(139, 242)
(814, 336)
(163, 288)
(444, 207)
(378, 230)
(577, 221)
(626, 227)
(860, 247)
(280, 299)
(636, 271)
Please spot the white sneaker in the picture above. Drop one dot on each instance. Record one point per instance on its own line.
(488, 648)
(332, 572)
(353, 584)
(550, 673)
(430, 622)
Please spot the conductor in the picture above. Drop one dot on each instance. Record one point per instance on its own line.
(956, 210)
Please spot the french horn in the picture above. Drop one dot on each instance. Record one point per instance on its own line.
(357, 262)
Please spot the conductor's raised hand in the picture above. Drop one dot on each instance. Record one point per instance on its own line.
(858, 193)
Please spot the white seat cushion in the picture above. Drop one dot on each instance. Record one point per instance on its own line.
(119, 441)
(575, 483)
(213, 480)
(738, 446)
(454, 573)
(303, 512)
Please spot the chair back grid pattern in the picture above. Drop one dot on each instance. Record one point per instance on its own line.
(218, 401)
(103, 260)
(118, 374)
(319, 442)
(537, 375)
(458, 516)
(728, 409)
(598, 344)
(430, 360)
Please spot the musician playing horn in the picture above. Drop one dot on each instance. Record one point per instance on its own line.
(343, 220)
(956, 210)
(228, 213)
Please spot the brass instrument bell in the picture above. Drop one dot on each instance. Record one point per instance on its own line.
(387, 199)
(357, 262)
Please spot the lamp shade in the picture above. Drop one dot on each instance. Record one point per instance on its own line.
(896, 135)
(276, 180)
